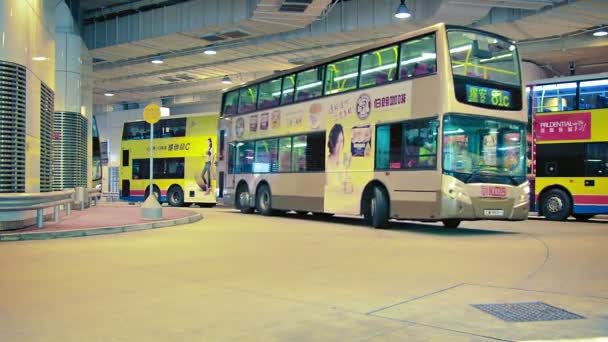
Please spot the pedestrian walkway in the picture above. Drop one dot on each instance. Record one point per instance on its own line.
(101, 219)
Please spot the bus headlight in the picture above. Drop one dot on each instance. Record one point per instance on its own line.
(527, 189)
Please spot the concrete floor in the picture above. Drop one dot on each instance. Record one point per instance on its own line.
(243, 277)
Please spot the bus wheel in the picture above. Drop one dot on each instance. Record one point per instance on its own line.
(175, 196)
(583, 217)
(451, 223)
(242, 200)
(263, 200)
(156, 194)
(556, 205)
(377, 212)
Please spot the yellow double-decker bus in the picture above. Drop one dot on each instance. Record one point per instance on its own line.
(570, 151)
(184, 160)
(428, 125)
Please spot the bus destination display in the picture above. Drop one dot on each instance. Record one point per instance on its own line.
(488, 96)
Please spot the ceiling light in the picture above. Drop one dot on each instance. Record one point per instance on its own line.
(210, 52)
(226, 80)
(157, 60)
(39, 58)
(402, 11)
(601, 32)
(108, 94)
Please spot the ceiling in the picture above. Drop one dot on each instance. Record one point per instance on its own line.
(255, 38)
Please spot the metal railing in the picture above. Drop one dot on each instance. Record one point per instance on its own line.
(38, 201)
(94, 195)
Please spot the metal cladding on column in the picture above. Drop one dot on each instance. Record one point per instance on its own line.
(47, 108)
(70, 151)
(12, 127)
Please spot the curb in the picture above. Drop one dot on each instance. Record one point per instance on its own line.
(100, 230)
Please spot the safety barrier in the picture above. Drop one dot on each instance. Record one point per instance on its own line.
(37, 201)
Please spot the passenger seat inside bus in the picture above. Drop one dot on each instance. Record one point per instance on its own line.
(381, 78)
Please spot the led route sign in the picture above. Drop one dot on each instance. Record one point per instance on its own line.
(488, 96)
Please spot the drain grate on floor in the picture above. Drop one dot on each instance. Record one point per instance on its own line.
(527, 312)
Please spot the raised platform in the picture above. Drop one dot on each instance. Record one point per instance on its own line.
(101, 219)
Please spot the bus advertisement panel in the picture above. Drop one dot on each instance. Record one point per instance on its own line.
(428, 126)
(184, 160)
(570, 152)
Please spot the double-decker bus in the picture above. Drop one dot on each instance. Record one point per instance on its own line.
(428, 125)
(570, 149)
(184, 160)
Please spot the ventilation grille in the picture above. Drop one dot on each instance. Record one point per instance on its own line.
(234, 34)
(70, 151)
(295, 5)
(47, 108)
(12, 127)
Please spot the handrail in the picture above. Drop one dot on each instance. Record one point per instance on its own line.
(37, 201)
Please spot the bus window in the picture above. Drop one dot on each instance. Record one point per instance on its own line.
(269, 94)
(342, 75)
(298, 154)
(285, 154)
(315, 151)
(244, 157)
(231, 157)
(560, 160)
(309, 84)
(596, 161)
(378, 67)
(420, 138)
(171, 128)
(136, 130)
(230, 102)
(265, 156)
(418, 57)
(555, 97)
(388, 146)
(247, 99)
(593, 94)
(289, 84)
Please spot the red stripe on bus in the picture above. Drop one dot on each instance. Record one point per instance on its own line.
(590, 199)
(143, 192)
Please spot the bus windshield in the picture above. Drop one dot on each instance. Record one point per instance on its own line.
(478, 149)
(484, 57)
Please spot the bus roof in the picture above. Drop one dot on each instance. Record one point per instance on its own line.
(569, 79)
(176, 117)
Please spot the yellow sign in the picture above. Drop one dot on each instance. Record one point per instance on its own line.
(152, 113)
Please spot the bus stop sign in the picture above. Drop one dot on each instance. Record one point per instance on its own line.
(152, 113)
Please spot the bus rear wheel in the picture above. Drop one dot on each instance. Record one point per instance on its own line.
(451, 223)
(376, 211)
(242, 200)
(155, 191)
(263, 200)
(556, 205)
(175, 196)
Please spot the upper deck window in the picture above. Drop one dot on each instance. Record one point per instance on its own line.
(309, 84)
(270, 94)
(247, 99)
(342, 75)
(379, 67)
(289, 83)
(418, 57)
(593, 94)
(484, 57)
(231, 100)
(555, 97)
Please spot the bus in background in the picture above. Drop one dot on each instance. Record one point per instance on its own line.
(428, 125)
(184, 158)
(96, 160)
(570, 150)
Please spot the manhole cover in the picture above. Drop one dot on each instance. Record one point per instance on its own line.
(527, 312)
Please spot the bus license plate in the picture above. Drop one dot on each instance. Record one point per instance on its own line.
(493, 212)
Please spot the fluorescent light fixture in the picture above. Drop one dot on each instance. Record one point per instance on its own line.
(454, 132)
(425, 57)
(157, 60)
(461, 49)
(165, 111)
(546, 87)
(402, 11)
(226, 80)
(594, 83)
(108, 94)
(512, 48)
(210, 51)
(339, 78)
(497, 57)
(601, 32)
(380, 68)
(40, 58)
(311, 85)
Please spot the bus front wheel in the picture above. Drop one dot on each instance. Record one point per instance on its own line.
(263, 200)
(242, 200)
(377, 212)
(175, 196)
(556, 205)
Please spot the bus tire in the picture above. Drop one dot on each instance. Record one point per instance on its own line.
(175, 196)
(242, 200)
(263, 200)
(451, 223)
(377, 210)
(583, 217)
(556, 205)
(156, 193)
